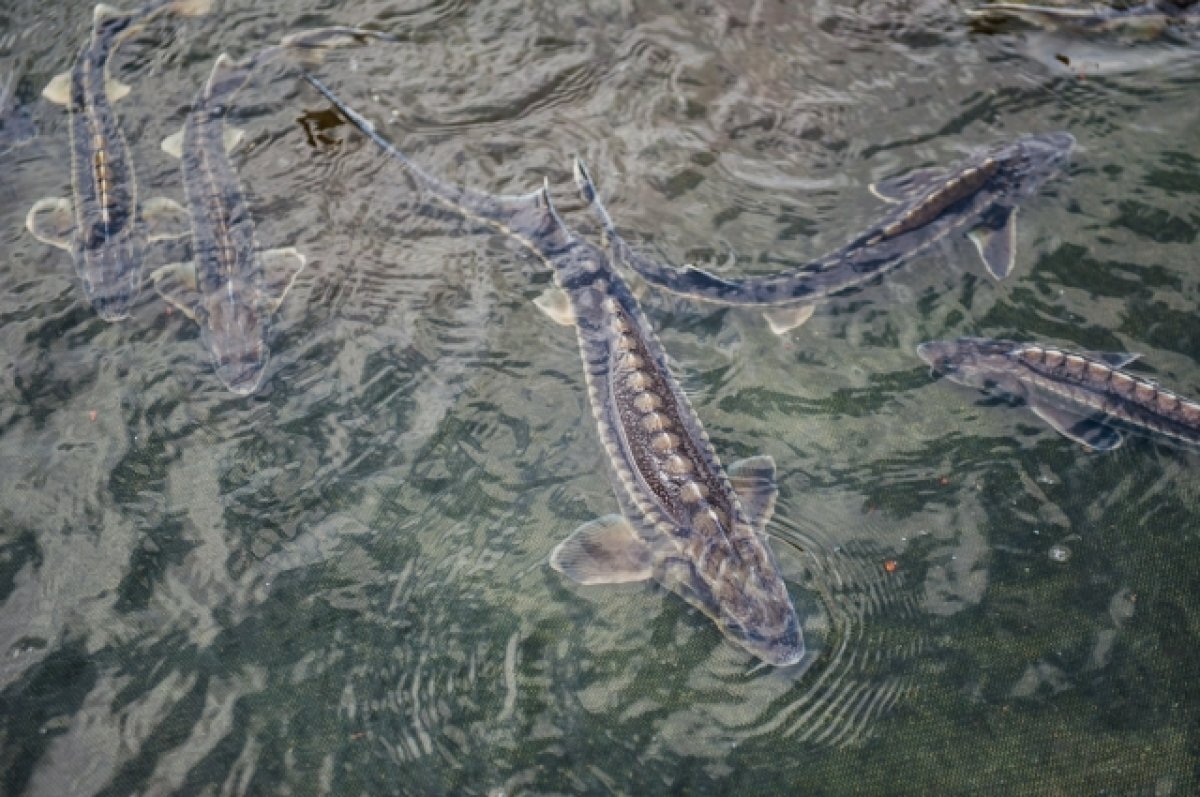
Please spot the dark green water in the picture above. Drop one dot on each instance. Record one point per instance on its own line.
(339, 585)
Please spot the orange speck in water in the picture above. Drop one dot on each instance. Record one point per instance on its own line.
(944, 481)
(168, 309)
(891, 565)
(92, 415)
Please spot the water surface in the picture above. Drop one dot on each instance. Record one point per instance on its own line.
(339, 585)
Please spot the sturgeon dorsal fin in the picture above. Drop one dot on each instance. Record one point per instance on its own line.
(1113, 359)
(603, 551)
(907, 185)
(587, 190)
(1083, 429)
(996, 240)
(753, 479)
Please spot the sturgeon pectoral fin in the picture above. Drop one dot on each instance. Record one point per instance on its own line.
(173, 145)
(103, 11)
(191, 8)
(231, 137)
(165, 219)
(784, 319)
(603, 551)
(115, 89)
(281, 266)
(51, 221)
(996, 240)
(753, 479)
(906, 186)
(1082, 429)
(58, 90)
(555, 304)
(176, 284)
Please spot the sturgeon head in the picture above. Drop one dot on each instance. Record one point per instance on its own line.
(974, 362)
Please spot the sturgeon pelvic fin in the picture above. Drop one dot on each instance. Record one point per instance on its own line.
(51, 221)
(1085, 430)
(176, 284)
(164, 219)
(603, 551)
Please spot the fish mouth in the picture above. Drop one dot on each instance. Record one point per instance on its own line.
(111, 310)
(929, 351)
(779, 650)
(938, 356)
(784, 651)
(241, 377)
(1060, 140)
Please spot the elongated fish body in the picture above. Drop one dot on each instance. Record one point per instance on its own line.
(16, 126)
(103, 226)
(1084, 396)
(685, 522)
(231, 288)
(979, 195)
(1144, 21)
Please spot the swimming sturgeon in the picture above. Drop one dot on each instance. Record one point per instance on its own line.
(231, 287)
(685, 522)
(1143, 21)
(16, 126)
(1084, 396)
(979, 194)
(102, 225)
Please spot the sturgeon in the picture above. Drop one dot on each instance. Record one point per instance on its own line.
(102, 225)
(1148, 20)
(16, 126)
(979, 195)
(1085, 396)
(231, 287)
(685, 521)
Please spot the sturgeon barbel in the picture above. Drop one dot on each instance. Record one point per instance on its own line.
(978, 196)
(685, 521)
(231, 287)
(1082, 395)
(103, 225)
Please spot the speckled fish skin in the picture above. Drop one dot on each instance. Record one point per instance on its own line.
(668, 479)
(109, 242)
(955, 202)
(232, 310)
(1146, 20)
(233, 297)
(1087, 384)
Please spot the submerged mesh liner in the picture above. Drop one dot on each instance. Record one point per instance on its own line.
(339, 586)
